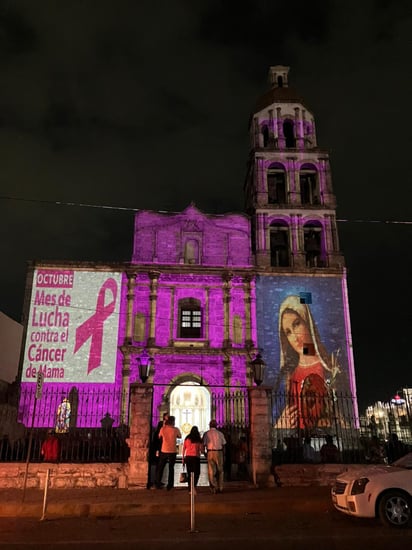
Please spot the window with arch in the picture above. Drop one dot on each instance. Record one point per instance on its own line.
(312, 234)
(279, 245)
(276, 181)
(288, 133)
(190, 318)
(309, 185)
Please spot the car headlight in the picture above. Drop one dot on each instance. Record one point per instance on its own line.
(359, 486)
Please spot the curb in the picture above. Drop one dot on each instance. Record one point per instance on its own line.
(118, 504)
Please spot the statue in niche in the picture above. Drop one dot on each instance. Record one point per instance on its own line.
(191, 252)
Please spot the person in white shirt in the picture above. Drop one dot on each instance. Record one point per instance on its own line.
(214, 442)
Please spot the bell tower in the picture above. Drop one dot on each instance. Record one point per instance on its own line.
(288, 188)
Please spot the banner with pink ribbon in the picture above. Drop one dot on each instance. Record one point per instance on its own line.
(72, 331)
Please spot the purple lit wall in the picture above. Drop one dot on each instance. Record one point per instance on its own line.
(213, 256)
(191, 237)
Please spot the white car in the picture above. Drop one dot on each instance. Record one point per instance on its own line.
(377, 491)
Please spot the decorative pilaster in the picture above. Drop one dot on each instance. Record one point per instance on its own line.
(281, 139)
(298, 128)
(293, 181)
(129, 315)
(300, 255)
(154, 279)
(227, 285)
(261, 183)
(248, 310)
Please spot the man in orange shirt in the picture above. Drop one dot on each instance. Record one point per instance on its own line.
(168, 452)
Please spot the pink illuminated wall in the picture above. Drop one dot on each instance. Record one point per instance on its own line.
(214, 258)
(192, 237)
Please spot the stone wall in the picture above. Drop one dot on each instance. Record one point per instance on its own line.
(80, 476)
(63, 476)
(305, 475)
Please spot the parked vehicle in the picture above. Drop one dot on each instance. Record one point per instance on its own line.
(377, 491)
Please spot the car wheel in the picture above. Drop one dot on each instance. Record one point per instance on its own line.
(395, 509)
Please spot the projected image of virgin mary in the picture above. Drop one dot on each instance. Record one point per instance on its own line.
(307, 373)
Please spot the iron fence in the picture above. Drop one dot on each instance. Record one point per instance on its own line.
(314, 416)
(231, 411)
(88, 424)
(86, 421)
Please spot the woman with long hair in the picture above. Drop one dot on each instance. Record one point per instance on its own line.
(192, 449)
(306, 370)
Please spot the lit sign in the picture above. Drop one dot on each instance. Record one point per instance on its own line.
(397, 400)
(73, 326)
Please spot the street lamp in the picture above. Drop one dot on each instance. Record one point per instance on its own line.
(144, 362)
(258, 368)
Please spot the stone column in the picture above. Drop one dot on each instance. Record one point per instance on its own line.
(298, 128)
(140, 422)
(260, 436)
(154, 279)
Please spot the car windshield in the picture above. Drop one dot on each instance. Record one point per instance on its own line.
(404, 462)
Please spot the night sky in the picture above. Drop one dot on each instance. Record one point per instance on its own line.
(145, 105)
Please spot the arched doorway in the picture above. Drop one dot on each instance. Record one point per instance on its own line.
(190, 405)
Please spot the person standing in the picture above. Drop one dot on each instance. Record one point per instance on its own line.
(329, 453)
(214, 442)
(168, 434)
(192, 449)
(308, 452)
(154, 450)
(50, 450)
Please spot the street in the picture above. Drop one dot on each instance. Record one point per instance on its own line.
(289, 524)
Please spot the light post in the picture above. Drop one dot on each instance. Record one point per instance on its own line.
(144, 362)
(258, 369)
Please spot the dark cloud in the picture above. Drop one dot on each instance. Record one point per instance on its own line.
(146, 105)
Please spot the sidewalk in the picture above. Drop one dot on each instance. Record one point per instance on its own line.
(106, 502)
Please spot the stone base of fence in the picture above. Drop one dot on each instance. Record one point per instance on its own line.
(305, 475)
(64, 476)
(115, 475)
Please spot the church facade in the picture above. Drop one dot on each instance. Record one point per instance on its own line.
(203, 295)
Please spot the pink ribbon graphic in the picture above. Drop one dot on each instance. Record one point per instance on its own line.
(93, 327)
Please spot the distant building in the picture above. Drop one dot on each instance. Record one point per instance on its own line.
(391, 417)
(203, 294)
(11, 334)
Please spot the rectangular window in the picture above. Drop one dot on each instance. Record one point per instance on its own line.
(190, 323)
